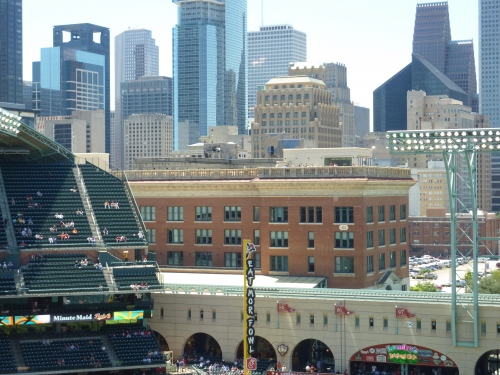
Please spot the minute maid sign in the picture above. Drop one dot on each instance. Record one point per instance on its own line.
(249, 306)
(404, 354)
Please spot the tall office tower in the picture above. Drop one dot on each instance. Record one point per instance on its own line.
(35, 86)
(136, 55)
(209, 66)
(146, 136)
(334, 75)
(11, 51)
(362, 121)
(432, 33)
(75, 73)
(432, 41)
(28, 94)
(270, 51)
(489, 81)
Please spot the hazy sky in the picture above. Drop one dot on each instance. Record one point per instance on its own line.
(373, 38)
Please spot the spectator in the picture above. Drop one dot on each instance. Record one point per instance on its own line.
(39, 193)
(53, 229)
(106, 204)
(10, 266)
(140, 235)
(105, 231)
(74, 190)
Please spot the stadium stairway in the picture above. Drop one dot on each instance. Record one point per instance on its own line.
(10, 236)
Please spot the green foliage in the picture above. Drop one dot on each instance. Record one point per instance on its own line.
(425, 286)
(490, 284)
(424, 271)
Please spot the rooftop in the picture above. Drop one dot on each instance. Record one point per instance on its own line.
(294, 79)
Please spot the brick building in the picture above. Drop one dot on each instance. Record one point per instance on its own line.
(348, 224)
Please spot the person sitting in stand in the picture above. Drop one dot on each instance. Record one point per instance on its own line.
(22, 244)
(114, 205)
(37, 205)
(90, 239)
(39, 193)
(106, 204)
(30, 221)
(53, 229)
(59, 215)
(74, 231)
(29, 198)
(74, 190)
(79, 212)
(105, 231)
(140, 235)
(39, 237)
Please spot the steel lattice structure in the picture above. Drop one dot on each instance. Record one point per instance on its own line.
(459, 148)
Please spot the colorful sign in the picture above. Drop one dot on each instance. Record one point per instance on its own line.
(284, 308)
(402, 312)
(71, 318)
(342, 310)
(249, 305)
(404, 354)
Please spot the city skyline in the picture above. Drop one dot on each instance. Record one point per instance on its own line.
(362, 50)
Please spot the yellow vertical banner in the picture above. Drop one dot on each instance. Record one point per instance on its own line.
(249, 363)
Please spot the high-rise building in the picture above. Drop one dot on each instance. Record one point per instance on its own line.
(11, 51)
(362, 121)
(146, 136)
(210, 66)
(432, 32)
(270, 51)
(389, 99)
(334, 75)
(432, 41)
(75, 73)
(28, 94)
(297, 107)
(136, 55)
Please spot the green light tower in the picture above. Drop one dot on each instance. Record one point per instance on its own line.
(459, 148)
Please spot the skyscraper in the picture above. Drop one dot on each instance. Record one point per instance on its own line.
(432, 32)
(136, 55)
(210, 65)
(11, 51)
(432, 41)
(270, 51)
(82, 63)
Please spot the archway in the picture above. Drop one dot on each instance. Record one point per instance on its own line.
(264, 350)
(202, 345)
(163, 342)
(488, 363)
(312, 352)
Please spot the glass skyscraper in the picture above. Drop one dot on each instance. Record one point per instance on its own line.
(209, 66)
(11, 51)
(270, 51)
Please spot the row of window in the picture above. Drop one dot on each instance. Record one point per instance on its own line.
(290, 97)
(310, 214)
(279, 263)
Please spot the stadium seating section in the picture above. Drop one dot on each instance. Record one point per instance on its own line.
(56, 273)
(133, 350)
(55, 182)
(40, 356)
(3, 235)
(7, 285)
(7, 362)
(124, 278)
(103, 187)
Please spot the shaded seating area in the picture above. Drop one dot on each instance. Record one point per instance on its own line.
(7, 362)
(142, 277)
(7, 285)
(56, 273)
(3, 235)
(64, 354)
(37, 198)
(120, 222)
(134, 345)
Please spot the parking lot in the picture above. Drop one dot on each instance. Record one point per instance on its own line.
(444, 275)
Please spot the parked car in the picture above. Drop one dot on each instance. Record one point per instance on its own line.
(432, 276)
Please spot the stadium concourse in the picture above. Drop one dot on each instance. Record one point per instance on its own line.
(75, 279)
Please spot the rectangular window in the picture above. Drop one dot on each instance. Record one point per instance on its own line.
(268, 317)
(325, 320)
(203, 213)
(310, 240)
(256, 258)
(369, 263)
(311, 215)
(448, 326)
(214, 315)
(369, 239)
(310, 264)
(381, 214)
(402, 235)
(232, 259)
(344, 264)
(381, 237)
(297, 318)
(151, 235)
(433, 325)
(148, 213)
(483, 328)
(175, 258)
(278, 239)
(344, 215)
(356, 321)
(311, 318)
(232, 213)
(371, 321)
(256, 237)
(386, 322)
(232, 237)
(392, 259)
(256, 214)
(189, 314)
(392, 236)
(392, 212)
(279, 263)
(381, 262)
(203, 236)
(203, 259)
(175, 213)
(175, 236)
(369, 214)
(344, 240)
(403, 261)
(402, 212)
(278, 214)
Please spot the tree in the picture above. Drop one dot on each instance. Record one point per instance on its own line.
(487, 285)
(425, 286)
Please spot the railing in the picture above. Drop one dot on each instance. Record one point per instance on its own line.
(86, 196)
(263, 173)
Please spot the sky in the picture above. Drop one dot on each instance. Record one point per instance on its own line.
(372, 38)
